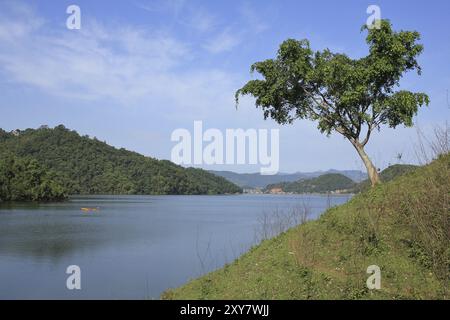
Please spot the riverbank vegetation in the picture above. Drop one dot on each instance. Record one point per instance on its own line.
(402, 226)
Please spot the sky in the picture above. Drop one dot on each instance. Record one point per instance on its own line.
(137, 70)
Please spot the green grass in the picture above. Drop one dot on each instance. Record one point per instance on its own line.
(402, 226)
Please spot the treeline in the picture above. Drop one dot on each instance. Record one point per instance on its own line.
(84, 165)
(325, 183)
(24, 179)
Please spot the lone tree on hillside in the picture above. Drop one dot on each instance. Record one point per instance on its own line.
(350, 96)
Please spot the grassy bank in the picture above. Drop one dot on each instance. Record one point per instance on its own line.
(402, 226)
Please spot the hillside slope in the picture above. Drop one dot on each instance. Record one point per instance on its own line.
(87, 166)
(402, 226)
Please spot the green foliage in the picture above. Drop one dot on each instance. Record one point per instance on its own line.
(324, 183)
(87, 166)
(23, 179)
(353, 97)
(340, 93)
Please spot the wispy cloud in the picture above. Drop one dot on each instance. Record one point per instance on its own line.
(124, 64)
(254, 22)
(224, 41)
(199, 19)
(172, 6)
(247, 24)
(13, 28)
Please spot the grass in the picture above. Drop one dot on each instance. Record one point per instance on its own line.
(402, 226)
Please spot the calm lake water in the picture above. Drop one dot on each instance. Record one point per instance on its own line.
(133, 247)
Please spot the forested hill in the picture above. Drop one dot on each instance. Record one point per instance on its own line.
(325, 183)
(82, 165)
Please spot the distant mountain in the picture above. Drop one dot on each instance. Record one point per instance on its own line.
(330, 182)
(256, 180)
(355, 175)
(82, 165)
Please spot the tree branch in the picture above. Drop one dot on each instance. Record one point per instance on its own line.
(369, 131)
(342, 128)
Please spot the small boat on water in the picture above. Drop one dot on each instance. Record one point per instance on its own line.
(89, 209)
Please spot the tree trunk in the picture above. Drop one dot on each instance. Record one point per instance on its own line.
(371, 169)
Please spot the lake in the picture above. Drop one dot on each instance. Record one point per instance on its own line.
(133, 247)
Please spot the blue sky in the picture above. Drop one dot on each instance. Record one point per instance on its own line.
(137, 70)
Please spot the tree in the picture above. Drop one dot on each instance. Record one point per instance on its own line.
(353, 97)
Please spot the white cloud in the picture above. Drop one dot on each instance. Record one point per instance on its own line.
(172, 6)
(200, 20)
(225, 41)
(12, 28)
(252, 19)
(247, 25)
(123, 64)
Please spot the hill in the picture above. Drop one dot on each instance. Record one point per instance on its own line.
(402, 226)
(256, 180)
(82, 165)
(386, 175)
(330, 182)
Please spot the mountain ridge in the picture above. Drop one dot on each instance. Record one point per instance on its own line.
(256, 180)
